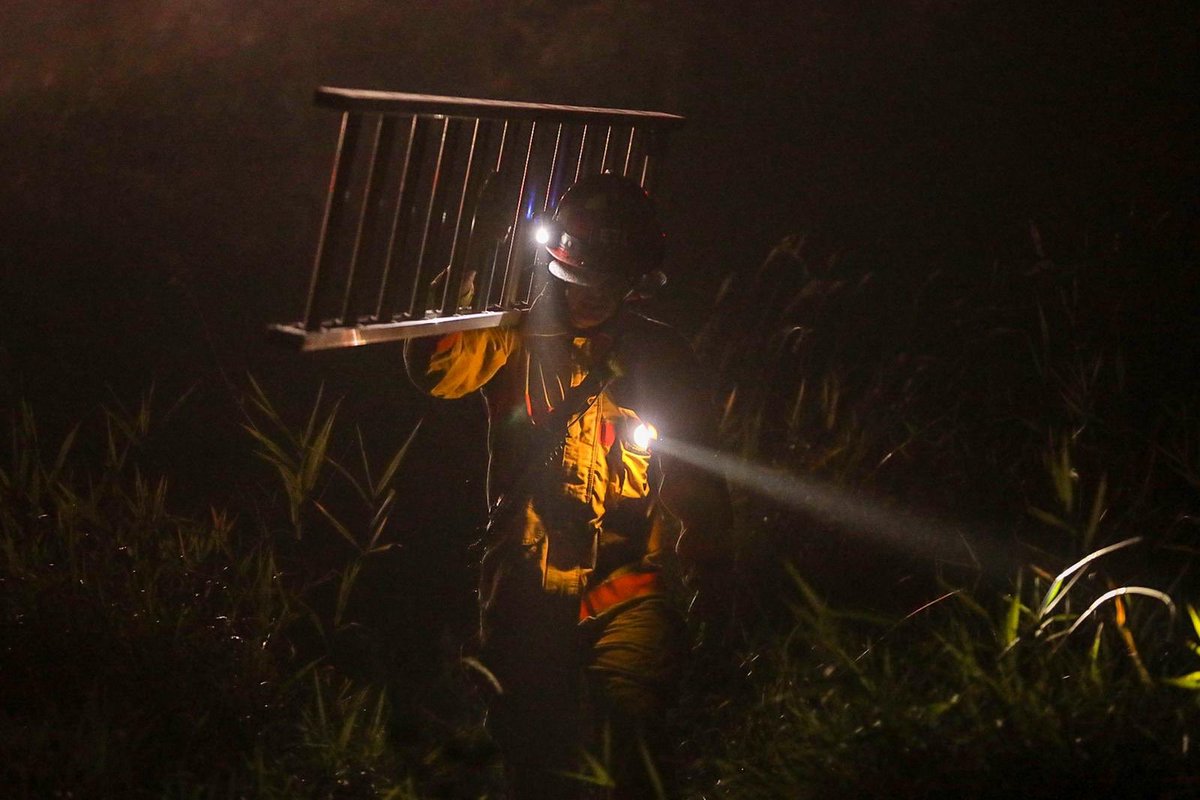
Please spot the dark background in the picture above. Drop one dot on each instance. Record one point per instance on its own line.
(164, 169)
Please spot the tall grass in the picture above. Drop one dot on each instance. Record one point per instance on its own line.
(145, 652)
(956, 702)
(149, 653)
(1022, 402)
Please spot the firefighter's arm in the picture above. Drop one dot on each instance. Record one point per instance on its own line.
(457, 364)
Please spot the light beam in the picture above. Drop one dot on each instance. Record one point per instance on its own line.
(915, 534)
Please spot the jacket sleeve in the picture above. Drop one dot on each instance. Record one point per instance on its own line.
(457, 364)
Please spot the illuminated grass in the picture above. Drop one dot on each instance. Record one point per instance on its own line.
(937, 706)
(1046, 659)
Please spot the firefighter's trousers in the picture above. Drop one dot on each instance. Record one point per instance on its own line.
(602, 687)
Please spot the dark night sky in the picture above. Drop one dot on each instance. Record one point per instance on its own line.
(164, 168)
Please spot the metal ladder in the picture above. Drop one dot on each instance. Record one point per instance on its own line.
(444, 198)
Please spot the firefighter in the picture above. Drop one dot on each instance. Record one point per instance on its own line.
(576, 626)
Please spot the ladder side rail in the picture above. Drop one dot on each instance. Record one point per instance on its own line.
(363, 100)
(337, 337)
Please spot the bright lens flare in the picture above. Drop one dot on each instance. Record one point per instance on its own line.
(644, 434)
(542, 234)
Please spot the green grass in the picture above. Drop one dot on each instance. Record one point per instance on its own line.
(147, 653)
(963, 700)
(1008, 401)
(231, 653)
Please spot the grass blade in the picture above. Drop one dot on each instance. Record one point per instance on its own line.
(1123, 591)
(1054, 594)
(1013, 618)
(1097, 514)
(390, 472)
(1191, 681)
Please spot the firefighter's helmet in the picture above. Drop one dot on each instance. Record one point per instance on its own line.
(605, 228)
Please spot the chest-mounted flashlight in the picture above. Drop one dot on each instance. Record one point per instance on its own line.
(644, 434)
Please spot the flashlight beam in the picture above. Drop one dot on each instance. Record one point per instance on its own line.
(898, 527)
